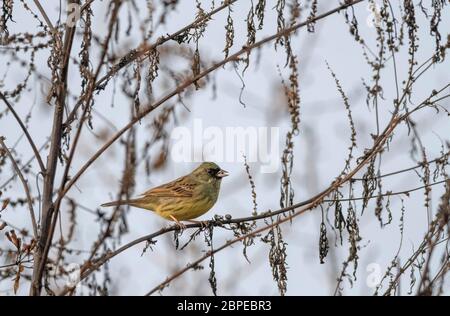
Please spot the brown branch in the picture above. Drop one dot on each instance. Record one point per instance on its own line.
(216, 250)
(57, 205)
(46, 18)
(55, 147)
(27, 134)
(88, 97)
(84, 6)
(419, 165)
(4, 184)
(14, 264)
(389, 193)
(89, 267)
(25, 186)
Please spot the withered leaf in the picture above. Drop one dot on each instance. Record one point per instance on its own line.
(12, 237)
(17, 278)
(4, 204)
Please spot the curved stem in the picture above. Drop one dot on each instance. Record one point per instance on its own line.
(27, 134)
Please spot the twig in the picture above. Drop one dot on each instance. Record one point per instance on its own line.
(135, 55)
(24, 129)
(25, 186)
(84, 6)
(15, 264)
(46, 18)
(419, 165)
(390, 193)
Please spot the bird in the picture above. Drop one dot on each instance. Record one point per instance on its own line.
(182, 199)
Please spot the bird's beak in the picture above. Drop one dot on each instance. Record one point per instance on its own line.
(222, 173)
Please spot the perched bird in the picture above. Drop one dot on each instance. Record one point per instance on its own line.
(183, 199)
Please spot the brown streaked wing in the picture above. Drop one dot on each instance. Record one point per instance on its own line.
(176, 188)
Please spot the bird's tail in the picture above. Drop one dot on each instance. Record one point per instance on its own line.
(118, 203)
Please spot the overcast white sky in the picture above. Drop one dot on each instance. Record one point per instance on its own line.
(320, 151)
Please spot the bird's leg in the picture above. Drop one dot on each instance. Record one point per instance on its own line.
(203, 224)
(181, 225)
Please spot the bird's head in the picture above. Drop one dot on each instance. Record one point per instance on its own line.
(208, 171)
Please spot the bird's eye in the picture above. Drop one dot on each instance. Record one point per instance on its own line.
(213, 171)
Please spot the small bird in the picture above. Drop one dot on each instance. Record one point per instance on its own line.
(183, 199)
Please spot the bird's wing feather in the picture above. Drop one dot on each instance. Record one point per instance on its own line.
(177, 188)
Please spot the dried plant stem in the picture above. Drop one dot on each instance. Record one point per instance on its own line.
(54, 217)
(84, 6)
(55, 147)
(25, 186)
(25, 131)
(419, 165)
(46, 18)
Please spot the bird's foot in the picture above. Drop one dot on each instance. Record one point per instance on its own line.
(180, 225)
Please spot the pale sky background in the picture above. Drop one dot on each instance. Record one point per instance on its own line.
(320, 151)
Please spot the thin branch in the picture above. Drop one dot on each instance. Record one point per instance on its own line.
(389, 193)
(216, 250)
(84, 6)
(24, 129)
(46, 18)
(423, 246)
(25, 186)
(4, 184)
(15, 264)
(419, 165)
